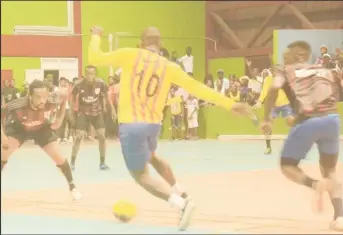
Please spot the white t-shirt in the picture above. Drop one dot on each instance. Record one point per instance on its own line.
(191, 106)
(225, 85)
(256, 84)
(181, 92)
(187, 62)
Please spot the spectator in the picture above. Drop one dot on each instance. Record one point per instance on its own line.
(222, 83)
(64, 132)
(234, 93)
(176, 109)
(192, 117)
(339, 58)
(113, 93)
(323, 51)
(164, 52)
(244, 90)
(187, 61)
(25, 90)
(327, 62)
(209, 81)
(8, 92)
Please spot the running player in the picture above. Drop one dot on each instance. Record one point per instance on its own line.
(311, 90)
(30, 116)
(282, 108)
(144, 87)
(89, 101)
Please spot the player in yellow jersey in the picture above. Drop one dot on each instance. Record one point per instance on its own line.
(145, 83)
(282, 107)
(176, 107)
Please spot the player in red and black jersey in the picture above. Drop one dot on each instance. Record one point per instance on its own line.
(89, 101)
(35, 116)
(312, 91)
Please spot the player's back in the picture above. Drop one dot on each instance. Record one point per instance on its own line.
(313, 86)
(144, 87)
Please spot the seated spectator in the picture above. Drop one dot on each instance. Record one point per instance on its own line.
(222, 83)
(327, 62)
(8, 92)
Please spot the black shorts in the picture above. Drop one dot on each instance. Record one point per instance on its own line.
(83, 121)
(41, 137)
(176, 121)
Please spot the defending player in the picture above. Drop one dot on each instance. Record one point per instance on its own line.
(31, 116)
(89, 97)
(145, 84)
(311, 90)
(282, 108)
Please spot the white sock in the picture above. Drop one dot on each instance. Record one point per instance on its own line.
(177, 189)
(176, 201)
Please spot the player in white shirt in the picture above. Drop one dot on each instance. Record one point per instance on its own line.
(187, 61)
(192, 116)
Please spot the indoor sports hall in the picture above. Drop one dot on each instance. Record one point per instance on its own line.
(230, 169)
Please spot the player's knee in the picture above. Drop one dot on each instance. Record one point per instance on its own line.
(79, 135)
(287, 164)
(138, 176)
(101, 137)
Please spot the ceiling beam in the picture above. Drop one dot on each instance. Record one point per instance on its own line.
(319, 16)
(305, 22)
(231, 34)
(256, 51)
(232, 5)
(264, 25)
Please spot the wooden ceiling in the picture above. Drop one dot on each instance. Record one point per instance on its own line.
(246, 28)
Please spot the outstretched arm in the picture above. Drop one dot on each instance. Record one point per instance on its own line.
(198, 89)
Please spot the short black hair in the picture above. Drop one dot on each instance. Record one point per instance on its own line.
(63, 79)
(165, 52)
(91, 67)
(37, 84)
(75, 79)
(302, 44)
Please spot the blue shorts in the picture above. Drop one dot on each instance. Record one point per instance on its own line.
(283, 111)
(138, 142)
(324, 131)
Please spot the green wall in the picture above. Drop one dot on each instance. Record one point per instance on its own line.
(229, 65)
(19, 65)
(49, 13)
(174, 19)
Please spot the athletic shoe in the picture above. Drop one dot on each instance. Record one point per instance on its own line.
(76, 194)
(337, 225)
(186, 214)
(104, 167)
(268, 151)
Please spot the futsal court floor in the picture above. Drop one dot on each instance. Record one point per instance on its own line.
(236, 188)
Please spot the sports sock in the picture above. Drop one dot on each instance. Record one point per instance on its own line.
(268, 143)
(65, 168)
(73, 160)
(176, 201)
(337, 207)
(177, 189)
(102, 160)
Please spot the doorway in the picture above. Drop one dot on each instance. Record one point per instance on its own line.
(54, 75)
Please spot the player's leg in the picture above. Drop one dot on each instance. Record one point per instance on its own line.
(298, 143)
(178, 124)
(15, 139)
(99, 127)
(287, 114)
(162, 167)
(47, 140)
(173, 121)
(133, 139)
(275, 113)
(81, 127)
(328, 147)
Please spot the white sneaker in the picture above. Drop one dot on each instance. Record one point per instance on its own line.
(187, 214)
(76, 194)
(337, 225)
(70, 139)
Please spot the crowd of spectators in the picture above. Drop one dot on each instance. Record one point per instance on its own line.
(182, 106)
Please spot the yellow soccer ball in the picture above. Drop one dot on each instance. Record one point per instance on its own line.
(124, 210)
